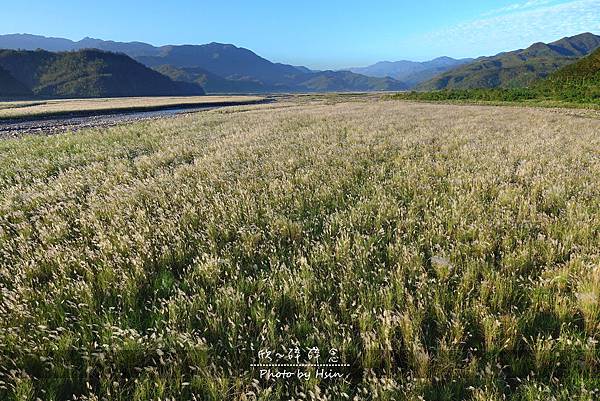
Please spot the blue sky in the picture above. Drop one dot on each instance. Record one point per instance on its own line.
(319, 34)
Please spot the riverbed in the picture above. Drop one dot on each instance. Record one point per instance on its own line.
(54, 124)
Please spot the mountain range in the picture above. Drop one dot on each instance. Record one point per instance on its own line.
(136, 68)
(83, 73)
(221, 68)
(411, 73)
(517, 68)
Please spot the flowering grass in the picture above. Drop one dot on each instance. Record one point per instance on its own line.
(521, 97)
(447, 252)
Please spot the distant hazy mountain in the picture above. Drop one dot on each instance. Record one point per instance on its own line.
(34, 42)
(87, 73)
(304, 69)
(410, 72)
(132, 49)
(221, 67)
(322, 81)
(336, 81)
(517, 68)
(248, 69)
(22, 41)
(227, 61)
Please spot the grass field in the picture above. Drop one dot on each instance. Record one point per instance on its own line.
(447, 252)
(520, 97)
(20, 109)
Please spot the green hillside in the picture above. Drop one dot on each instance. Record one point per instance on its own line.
(577, 84)
(10, 87)
(518, 68)
(89, 73)
(579, 81)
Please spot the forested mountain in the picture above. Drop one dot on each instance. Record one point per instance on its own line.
(517, 68)
(87, 73)
(576, 82)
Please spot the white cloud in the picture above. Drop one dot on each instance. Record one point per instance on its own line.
(519, 7)
(518, 25)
